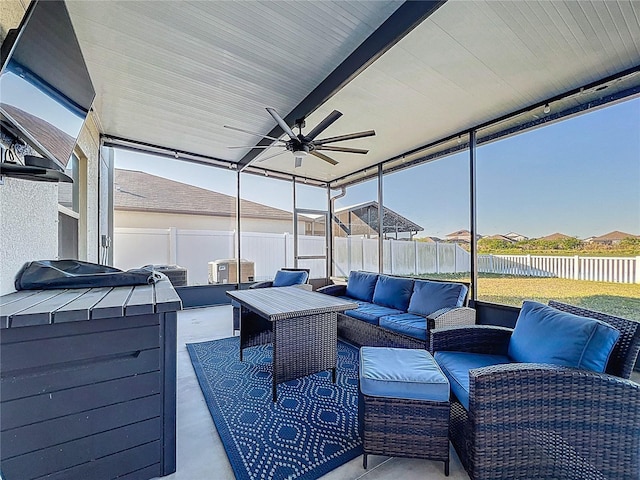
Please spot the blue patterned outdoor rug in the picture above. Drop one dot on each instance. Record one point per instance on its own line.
(309, 431)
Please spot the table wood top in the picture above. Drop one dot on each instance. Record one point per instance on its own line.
(277, 303)
(40, 307)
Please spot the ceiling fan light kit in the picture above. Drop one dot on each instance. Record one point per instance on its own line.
(304, 145)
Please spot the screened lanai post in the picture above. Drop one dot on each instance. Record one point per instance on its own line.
(472, 215)
(380, 222)
(295, 227)
(239, 263)
(329, 236)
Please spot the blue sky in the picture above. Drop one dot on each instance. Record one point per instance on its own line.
(580, 177)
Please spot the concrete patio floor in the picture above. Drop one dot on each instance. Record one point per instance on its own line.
(200, 454)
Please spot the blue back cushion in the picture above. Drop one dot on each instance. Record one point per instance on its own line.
(393, 292)
(431, 296)
(545, 335)
(361, 285)
(286, 278)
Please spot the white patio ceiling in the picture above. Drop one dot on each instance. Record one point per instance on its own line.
(173, 73)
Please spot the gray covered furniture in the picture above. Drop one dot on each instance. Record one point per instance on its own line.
(398, 311)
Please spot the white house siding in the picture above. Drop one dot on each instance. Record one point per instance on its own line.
(129, 219)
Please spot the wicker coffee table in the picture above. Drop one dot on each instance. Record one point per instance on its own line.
(302, 326)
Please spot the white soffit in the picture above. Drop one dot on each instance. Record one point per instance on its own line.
(468, 63)
(172, 73)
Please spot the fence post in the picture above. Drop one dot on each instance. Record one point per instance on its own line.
(390, 256)
(576, 267)
(415, 257)
(638, 269)
(437, 257)
(529, 270)
(173, 246)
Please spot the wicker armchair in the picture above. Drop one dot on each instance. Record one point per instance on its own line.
(541, 421)
(264, 284)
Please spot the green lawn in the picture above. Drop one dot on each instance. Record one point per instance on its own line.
(619, 299)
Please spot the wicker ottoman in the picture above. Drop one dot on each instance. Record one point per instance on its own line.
(403, 405)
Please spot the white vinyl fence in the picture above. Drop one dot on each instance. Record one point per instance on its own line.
(194, 249)
(599, 269)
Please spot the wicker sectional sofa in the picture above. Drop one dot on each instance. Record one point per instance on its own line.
(399, 311)
(549, 399)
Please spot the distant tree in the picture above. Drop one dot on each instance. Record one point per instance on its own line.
(630, 242)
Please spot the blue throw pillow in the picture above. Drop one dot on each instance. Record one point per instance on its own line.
(286, 278)
(361, 285)
(545, 335)
(393, 292)
(429, 297)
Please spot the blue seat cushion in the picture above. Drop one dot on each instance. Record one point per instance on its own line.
(456, 366)
(361, 285)
(401, 373)
(285, 278)
(393, 292)
(406, 323)
(544, 334)
(349, 299)
(371, 313)
(429, 297)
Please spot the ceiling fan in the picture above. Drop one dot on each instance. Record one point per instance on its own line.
(302, 145)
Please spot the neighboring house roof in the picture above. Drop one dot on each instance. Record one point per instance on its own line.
(555, 236)
(516, 236)
(499, 237)
(56, 141)
(429, 239)
(616, 235)
(460, 233)
(143, 192)
(392, 222)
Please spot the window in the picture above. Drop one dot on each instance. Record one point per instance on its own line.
(355, 229)
(559, 211)
(426, 219)
(266, 225)
(69, 211)
(177, 215)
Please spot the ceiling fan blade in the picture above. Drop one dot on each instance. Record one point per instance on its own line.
(349, 136)
(256, 146)
(271, 156)
(323, 157)
(342, 149)
(323, 125)
(250, 133)
(282, 123)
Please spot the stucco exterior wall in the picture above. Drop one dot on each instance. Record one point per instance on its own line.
(89, 147)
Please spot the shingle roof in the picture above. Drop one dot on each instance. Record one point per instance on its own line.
(56, 141)
(615, 235)
(143, 192)
(391, 221)
(555, 236)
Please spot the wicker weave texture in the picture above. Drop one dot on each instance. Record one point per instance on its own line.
(533, 421)
(361, 333)
(404, 428)
(304, 345)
